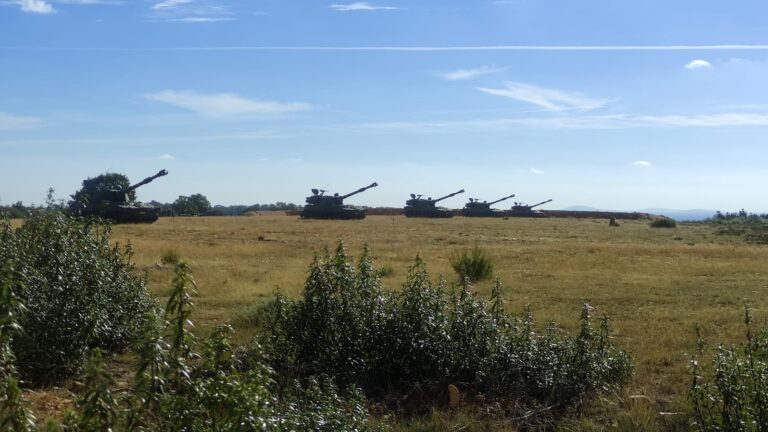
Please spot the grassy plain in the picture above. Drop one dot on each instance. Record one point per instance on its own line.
(656, 284)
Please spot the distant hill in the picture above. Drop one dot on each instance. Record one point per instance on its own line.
(679, 215)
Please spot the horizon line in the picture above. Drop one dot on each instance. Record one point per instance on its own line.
(721, 47)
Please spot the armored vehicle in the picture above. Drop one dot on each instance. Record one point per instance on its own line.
(322, 206)
(116, 205)
(420, 207)
(475, 208)
(523, 210)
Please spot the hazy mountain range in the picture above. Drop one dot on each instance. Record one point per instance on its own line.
(680, 215)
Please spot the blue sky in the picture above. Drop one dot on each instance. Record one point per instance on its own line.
(612, 104)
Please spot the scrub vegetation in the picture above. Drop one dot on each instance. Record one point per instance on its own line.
(394, 342)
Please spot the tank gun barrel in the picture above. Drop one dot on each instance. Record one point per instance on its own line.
(363, 189)
(449, 195)
(543, 202)
(147, 180)
(501, 199)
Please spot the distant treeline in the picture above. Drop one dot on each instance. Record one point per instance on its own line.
(741, 216)
(15, 211)
(174, 209)
(194, 205)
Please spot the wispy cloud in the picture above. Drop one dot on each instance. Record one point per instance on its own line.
(170, 4)
(537, 171)
(641, 163)
(466, 74)
(89, 2)
(224, 104)
(468, 48)
(360, 6)
(190, 11)
(698, 64)
(166, 157)
(550, 99)
(13, 122)
(617, 121)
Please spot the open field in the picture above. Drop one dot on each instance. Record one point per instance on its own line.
(654, 283)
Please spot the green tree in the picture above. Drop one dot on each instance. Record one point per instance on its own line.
(106, 181)
(193, 205)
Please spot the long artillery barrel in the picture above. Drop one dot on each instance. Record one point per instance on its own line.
(147, 180)
(501, 199)
(543, 202)
(363, 189)
(448, 196)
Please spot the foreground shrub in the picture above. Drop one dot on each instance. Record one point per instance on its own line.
(80, 293)
(735, 398)
(474, 265)
(347, 327)
(664, 223)
(184, 385)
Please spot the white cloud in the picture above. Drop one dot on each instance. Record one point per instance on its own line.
(190, 11)
(359, 6)
(170, 4)
(698, 64)
(167, 157)
(34, 6)
(224, 104)
(537, 171)
(641, 163)
(201, 19)
(12, 122)
(465, 74)
(550, 99)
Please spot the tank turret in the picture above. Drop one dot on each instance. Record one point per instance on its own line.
(322, 206)
(524, 210)
(475, 208)
(116, 205)
(421, 207)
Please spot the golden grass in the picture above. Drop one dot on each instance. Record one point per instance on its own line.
(654, 283)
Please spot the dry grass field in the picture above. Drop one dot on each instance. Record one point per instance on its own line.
(656, 284)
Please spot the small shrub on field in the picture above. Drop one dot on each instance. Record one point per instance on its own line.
(664, 223)
(170, 257)
(474, 264)
(734, 395)
(385, 271)
(347, 327)
(80, 293)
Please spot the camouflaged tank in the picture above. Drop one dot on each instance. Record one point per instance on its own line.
(523, 210)
(116, 205)
(475, 208)
(322, 206)
(425, 208)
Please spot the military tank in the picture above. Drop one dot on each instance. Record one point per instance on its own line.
(116, 205)
(523, 210)
(475, 208)
(322, 206)
(421, 207)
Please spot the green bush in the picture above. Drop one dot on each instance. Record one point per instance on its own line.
(664, 223)
(221, 389)
(735, 396)
(474, 265)
(80, 292)
(347, 327)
